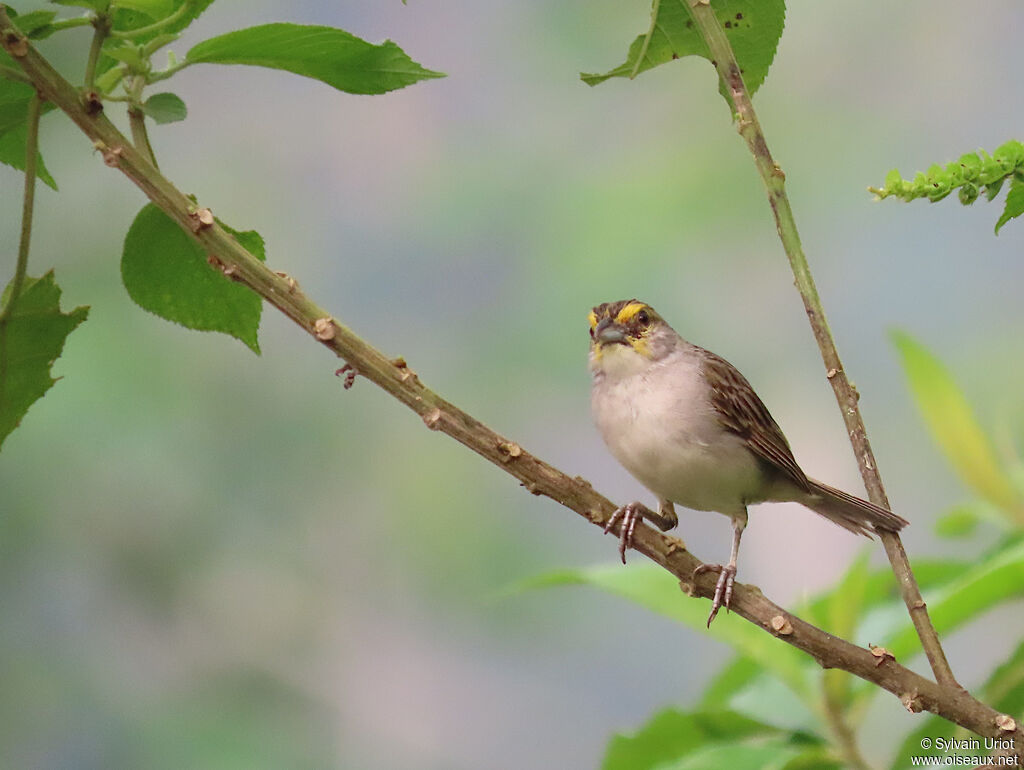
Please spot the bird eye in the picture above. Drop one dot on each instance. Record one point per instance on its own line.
(642, 318)
(591, 332)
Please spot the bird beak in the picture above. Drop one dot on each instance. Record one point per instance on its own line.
(609, 332)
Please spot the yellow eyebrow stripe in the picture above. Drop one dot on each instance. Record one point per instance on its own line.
(626, 314)
(592, 317)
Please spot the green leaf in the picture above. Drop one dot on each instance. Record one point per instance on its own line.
(997, 578)
(736, 675)
(130, 54)
(156, 9)
(772, 754)
(672, 734)
(165, 108)
(14, 99)
(657, 590)
(333, 56)
(31, 23)
(94, 5)
(166, 273)
(31, 339)
(12, 152)
(958, 522)
(752, 26)
(1004, 690)
(1014, 204)
(953, 425)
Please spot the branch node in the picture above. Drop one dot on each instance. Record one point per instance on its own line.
(324, 329)
(912, 702)
(832, 373)
(201, 219)
(1006, 723)
(510, 450)
(780, 625)
(881, 654)
(405, 373)
(689, 588)
(16, 45)
(293, 285)
(431, 420)
(532, 487)
(112, 156)
(93, 103)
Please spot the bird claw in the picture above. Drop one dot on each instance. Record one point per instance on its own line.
(630, 514)
(723, 588)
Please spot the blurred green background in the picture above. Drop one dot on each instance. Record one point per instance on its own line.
(209, 559)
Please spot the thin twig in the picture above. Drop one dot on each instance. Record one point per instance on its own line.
(774, 181)
(836, 718)
(101, 25)
(396, 378)
(128, 34)
(137, 120)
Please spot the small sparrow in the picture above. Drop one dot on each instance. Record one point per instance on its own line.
(691, 429)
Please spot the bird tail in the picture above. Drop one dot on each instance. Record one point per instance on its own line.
(850, 512)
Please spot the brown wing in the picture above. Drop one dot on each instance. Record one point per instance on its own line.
(742, 412)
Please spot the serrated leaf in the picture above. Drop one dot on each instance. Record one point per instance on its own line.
(333, 56)
(959, 522)
(752, 26)
(167, 273)
(12, 153)
(672, 734)
(14, 99)
(953, 425)
(1014, 204)
(654, 588)
(165, 108)
(31, 339)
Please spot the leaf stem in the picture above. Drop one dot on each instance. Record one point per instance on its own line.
(774, 181)
(137, 120)
(128, 34)
(76, 21)
(101, 24)
(28, 204)
(10, 73)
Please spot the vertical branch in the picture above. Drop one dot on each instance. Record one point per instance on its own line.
(847, 396)
(101, 24)
(28, 204)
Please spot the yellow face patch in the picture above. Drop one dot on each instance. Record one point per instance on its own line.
(592, 317)
(629, 312)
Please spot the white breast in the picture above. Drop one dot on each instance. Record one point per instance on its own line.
(657, 419)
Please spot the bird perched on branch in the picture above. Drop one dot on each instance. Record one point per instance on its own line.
(691, 429)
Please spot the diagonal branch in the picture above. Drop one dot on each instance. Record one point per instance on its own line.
(775, 183)
(396, 378)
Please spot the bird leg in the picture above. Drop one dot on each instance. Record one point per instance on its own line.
(631, 513)
(726, 574)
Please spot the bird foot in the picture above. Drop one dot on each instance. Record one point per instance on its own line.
(630, 514)
(723, 588)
